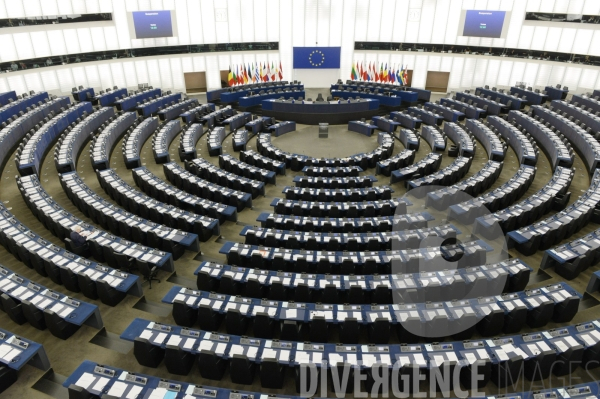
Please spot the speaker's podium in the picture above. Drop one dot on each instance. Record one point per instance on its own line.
(323, 130)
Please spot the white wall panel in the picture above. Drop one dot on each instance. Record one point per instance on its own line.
(93, 76)
(348, 38)
(591, 7)
(541, 79)
(546, 6)
(118, 76)
(121, 24)
(561, 6)
(165, 73)
(273, 15)
(517, 72)
(446, 64)
(131, 79)
(539, 37)
(552, 39)
(323, 19)
(14, 9)
(504, 73)
(361, 21)
(374, 20)
(570, 78)
(456, 73)
(17, 83)
(85, 40)
(187, 64)
(515, 23)
(480, 71)
(581, 44)
(588, 78)
(440, 21)
(49, 7)
(92, 6)
(154, 73)
(33, 81)
(213, 77)
(177, 74)
(194, 22)
(566, 40)
(141, 71)
(595, 43)
(41, 46)
(65, 79)
(98, 40)
(3, 15)
(50, 80)
(468, 72)
(526, 37)
(419, 76)
(78, 6)
(530, 73)
(65, 7)
(310, 22)
(4, 87)
(298, 19)
(335, 24)
(183, 27)
(557, 75)
(533, 5)
(79, 77)
(491, 75)
(399, 32)
(453, 21)
(285, 41)
(387, 20)
(111, 38)
(200, 64)
(575, 7)
(426, 25)
(434, 63)
(32, 8)
(208, 21)
(23, 45)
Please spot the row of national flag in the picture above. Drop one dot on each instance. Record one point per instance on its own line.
(383, 74)
(259, 72)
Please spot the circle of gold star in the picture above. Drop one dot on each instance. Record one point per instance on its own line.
(316, 64)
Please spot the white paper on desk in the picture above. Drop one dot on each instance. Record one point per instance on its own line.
(99, 386)
(14, 352)
(244, 309)
(57, 307)
(190, 301)
(368, 360)
(420, 359)
(174, 340)
(146, 334)
(134, 392)
(160, 338)
(205, 301)
(236, 350)
(85, 380)
(204, 345)
(351, 358)
(118, 389)
(501, 355)
(158, 393)
(67, 311)
(221, 348)
(179, 297)
(291, 313)
(334, 359)
(284, 355)
(302, 357)
(251, 352)
(45, 303)
(18, 291)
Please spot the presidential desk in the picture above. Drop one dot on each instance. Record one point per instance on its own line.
(313, 113)
(408, 97)
(256, 99)
(392, 102)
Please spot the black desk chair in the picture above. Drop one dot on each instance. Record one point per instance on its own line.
(77, 392)
(108, 294)
(379, 331)
(58, 326)
(87, 286)
(146, 353)
(290, 331)
(212, 367)
(263, 326)
(241, 370)
(148, 273)
(209, 320)
(271, 374)
(184, 315)
(178, 361)
(12, 309)
(34, 316)
(349, 331)
(235, 323)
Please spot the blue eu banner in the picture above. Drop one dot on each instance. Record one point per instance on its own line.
(317, 57)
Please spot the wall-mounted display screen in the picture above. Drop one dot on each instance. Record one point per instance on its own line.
(152, 24)
(484, 23)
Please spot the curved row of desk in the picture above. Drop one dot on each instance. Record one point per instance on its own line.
(103, 144)
(70, 145)
(162, 191)
(212, 173)
(247, 170)
(26, 301)
(162, 138)
(188, 140)
(338, 195)
(152, 209)
(414, 220)
(491, 315)
(469, 254)
(133, 142)
(194, 115)
(525, 148)
(389, 207)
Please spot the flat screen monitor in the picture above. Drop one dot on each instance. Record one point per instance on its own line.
(152, 24)
(484, 23)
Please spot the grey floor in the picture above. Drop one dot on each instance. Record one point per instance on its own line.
(106, 348)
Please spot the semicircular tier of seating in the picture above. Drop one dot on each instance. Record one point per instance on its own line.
(63, 267)
(117, 251)
(329, 250)
(489, 315)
